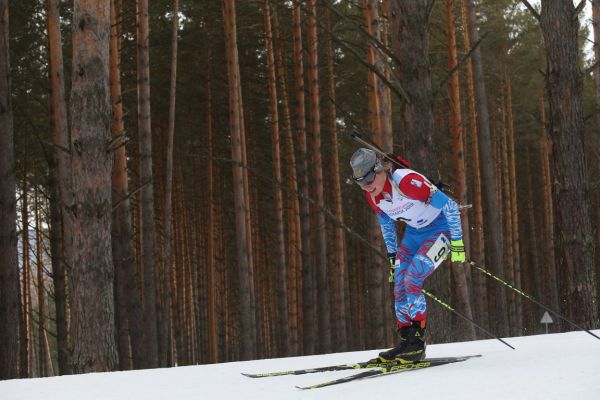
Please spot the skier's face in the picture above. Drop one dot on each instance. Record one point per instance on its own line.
(376, 186)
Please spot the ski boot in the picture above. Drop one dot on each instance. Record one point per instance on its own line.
(411, 347)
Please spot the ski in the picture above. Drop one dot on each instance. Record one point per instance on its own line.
(341, 367)
(389, 370)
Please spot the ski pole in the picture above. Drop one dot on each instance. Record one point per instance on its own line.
(448, 307)
(527, 296)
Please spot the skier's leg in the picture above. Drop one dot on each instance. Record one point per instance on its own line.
(422, 265)
(407, 249)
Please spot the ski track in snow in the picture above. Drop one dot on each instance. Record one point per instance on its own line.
(556, 366)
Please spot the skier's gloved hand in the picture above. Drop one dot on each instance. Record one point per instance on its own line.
(392, 260)
(457, 247)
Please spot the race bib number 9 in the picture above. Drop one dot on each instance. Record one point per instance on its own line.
(439, 250)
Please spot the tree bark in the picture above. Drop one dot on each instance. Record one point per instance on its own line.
(279, 229)
(211, 228)
(381, 98)
(461, 299)
(514, 206)
(91, 279)
(550, 283)
(596, 30)
(41, 290)
(9, 277)
(505, 189)
(247, 327)
(60, 186)
(324, 317)
(294, 246)
(369, 9)
(129, 300)
(564, 84)
(25, 339)
(147, 231)
(533, 278)
(492, 224)
(477, 241)
(341, 280)
(168, 211)
(308, 305)
(119, 240)
(410, 40)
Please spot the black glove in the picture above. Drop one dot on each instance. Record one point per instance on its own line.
(392, 261)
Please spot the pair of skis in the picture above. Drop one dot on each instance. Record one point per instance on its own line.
(371, 369)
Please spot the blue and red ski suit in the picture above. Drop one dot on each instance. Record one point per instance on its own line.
(432, 219)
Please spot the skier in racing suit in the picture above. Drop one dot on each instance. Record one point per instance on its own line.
(433, 230)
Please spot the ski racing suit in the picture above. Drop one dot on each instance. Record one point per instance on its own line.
(432, 220)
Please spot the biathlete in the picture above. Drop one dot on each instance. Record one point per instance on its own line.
(433, 231)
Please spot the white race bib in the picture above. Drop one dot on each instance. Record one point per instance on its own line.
(439, 250)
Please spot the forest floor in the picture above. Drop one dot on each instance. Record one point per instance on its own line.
(554, 366)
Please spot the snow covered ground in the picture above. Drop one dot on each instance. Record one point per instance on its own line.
(557, 366)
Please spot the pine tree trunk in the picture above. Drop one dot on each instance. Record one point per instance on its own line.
(41, 291)
(381, 92)
(61, 186)
(412, 41)
(514, 207)
(91, 278)
(119, 192)
(147, 231)
(376, 275)
(461, 299)
(533, 277)
(596, 30)
(598, 247)
(9, 276)
(163, 334)
(369, 8)
(308, 305)
(478, 240)
(564, 84)
(294, 246)
(177, 282)
(493, 224)
(324, 317)
(247, 328)
(507, 217)
(128, 303)
(189, 290)
(340, 273)
(211, 228)
(25, 359)
(279, 228)
(550, 284)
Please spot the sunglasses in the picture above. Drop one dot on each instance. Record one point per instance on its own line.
(366, 179)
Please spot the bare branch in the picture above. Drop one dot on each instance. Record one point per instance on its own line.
(579, 8)
(57, 146)
(531, 9)
(130, 195)
(460, 63)
(117, 142)
(399, 91)
(386, 50)
(591, 67)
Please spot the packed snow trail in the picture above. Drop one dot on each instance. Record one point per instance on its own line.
(556, 366)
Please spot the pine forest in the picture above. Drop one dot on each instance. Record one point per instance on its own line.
(176, 188)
